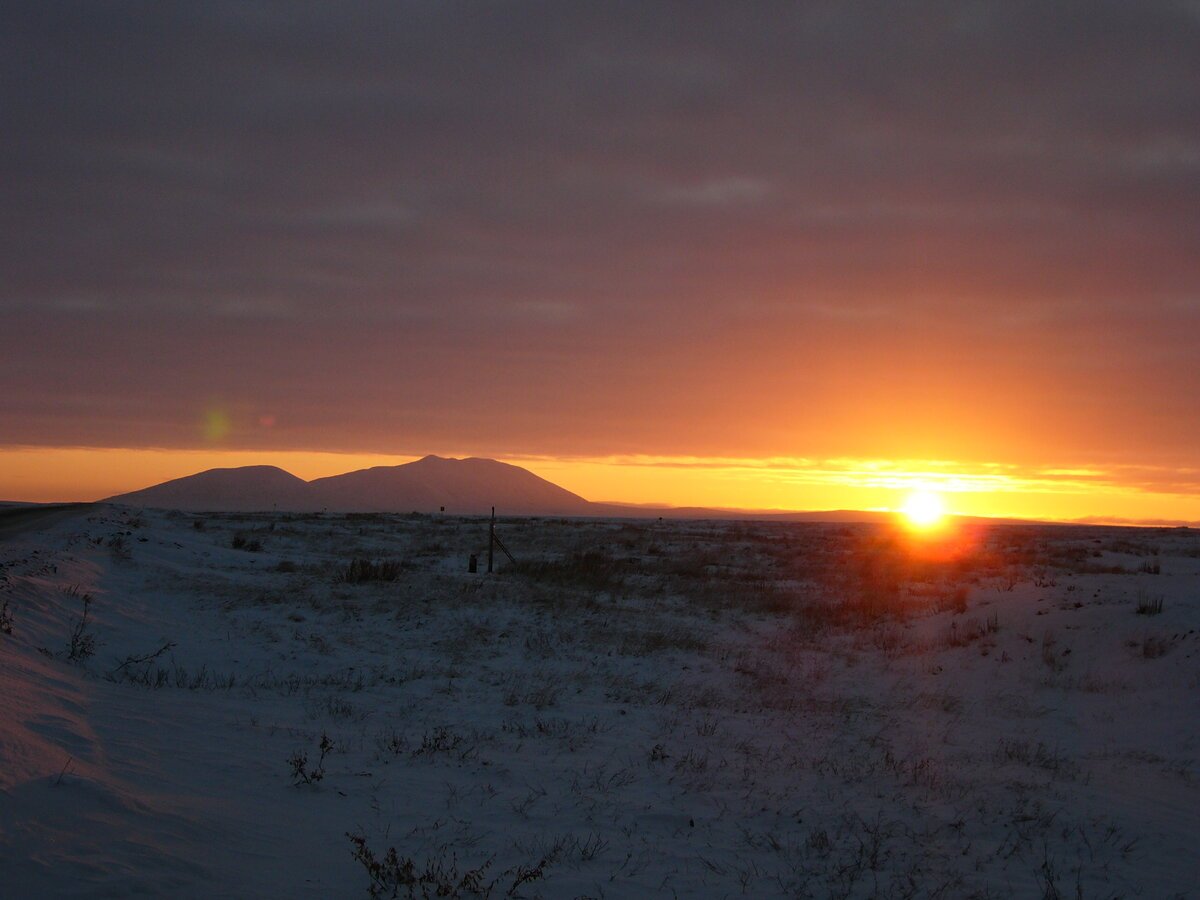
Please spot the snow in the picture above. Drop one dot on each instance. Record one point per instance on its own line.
(679, 713)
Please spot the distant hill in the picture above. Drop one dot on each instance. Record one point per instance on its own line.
(244, 489)
(460, 485)
(614, 509)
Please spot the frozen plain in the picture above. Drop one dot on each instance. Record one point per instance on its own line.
(636, 709)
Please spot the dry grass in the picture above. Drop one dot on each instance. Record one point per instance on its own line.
(360, 570)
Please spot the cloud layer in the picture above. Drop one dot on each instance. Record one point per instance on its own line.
(966, 231)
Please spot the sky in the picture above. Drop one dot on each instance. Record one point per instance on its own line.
(750, 255)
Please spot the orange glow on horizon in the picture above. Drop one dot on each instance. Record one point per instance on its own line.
(1063, 492)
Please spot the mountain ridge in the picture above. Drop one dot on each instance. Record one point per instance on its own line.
(469, 485)
(431, 484)
(237, 489)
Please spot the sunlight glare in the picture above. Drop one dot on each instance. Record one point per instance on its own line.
(924, 508)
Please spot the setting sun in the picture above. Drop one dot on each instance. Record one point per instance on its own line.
(924, 509)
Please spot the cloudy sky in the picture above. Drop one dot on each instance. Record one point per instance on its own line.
(685, 235)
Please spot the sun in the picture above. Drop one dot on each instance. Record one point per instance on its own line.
(924, 508)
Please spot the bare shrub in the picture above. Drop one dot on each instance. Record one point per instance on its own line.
(336, 708)
(6, 619)
(119, 545)
(1148, 605)
(536, 691)
(159, 677)
(591, 569)
(818, 842)
(955, 602)
(361, 570)
(393, 742)
(954, 636)
(1038, 756)
(402, 876)
(441, 739)
(301, 773)
(82, 643)
(132, 661)
(1054, 661)
(241, 541)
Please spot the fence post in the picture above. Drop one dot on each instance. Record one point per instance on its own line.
(492, 539)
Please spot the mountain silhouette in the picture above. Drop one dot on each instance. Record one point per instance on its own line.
(470, 485)
(242, 489)
(461, 486)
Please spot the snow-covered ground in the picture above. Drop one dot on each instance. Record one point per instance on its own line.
(640, 709)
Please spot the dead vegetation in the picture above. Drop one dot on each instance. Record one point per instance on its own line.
(777, 709)
(82, 643)
(361, 570)
(1148, 605)
(393, 875)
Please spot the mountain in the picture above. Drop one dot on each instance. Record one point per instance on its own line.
(460, 485)
(426, 485)
(244, 489)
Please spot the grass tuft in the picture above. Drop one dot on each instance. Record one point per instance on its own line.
(361, 570)
(1149, 605)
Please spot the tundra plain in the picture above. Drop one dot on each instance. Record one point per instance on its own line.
(333, 706)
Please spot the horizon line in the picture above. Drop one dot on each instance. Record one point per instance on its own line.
(1142, 496)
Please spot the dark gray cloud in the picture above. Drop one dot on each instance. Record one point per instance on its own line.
(285, 205)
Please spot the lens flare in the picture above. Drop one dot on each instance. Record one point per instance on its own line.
(216, 425)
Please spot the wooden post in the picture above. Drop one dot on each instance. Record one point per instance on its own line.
(492, 539)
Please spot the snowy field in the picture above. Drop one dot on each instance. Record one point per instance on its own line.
(635, 709)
